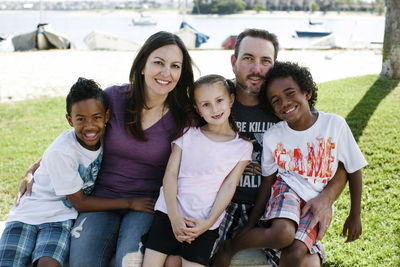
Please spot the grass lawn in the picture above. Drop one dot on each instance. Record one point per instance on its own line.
(371, 108)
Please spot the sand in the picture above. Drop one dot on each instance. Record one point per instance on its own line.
(25, 75)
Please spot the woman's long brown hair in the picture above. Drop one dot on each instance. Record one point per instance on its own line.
(177, 100)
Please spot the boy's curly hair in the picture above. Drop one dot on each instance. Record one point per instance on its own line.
(301, 75)
(84, 89)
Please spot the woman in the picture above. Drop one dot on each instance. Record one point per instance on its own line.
(146, 116)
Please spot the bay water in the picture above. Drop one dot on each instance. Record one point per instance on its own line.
(354, 28)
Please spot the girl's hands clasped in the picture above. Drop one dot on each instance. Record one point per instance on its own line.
(195, 228)
(179, 227)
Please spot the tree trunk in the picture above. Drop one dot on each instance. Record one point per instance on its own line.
(391, 43)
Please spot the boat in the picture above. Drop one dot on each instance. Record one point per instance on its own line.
(144, 20)
(314, 22)
(229, 42)
(6, 43)
(313, 31)
(190, 36)
(43, 38)
(104, 41)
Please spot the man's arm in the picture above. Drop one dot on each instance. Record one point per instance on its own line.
(321, 206)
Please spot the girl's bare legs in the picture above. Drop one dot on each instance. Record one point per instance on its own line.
(173, 261)
(153, 258)
(279, 235)
(186, 263)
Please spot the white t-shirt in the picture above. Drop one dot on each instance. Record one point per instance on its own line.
(66, 167)
(307, 160)
(204, 166)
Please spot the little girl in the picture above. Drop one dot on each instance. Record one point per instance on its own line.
(302, 152)
(201, 177)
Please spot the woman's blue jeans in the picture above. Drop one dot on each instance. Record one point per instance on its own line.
(97, 236)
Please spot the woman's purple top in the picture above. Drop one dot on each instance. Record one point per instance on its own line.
(132, 168)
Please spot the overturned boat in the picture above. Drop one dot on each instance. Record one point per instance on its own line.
(6, 43)
(105, 41)
(43, 38)
(190, 36)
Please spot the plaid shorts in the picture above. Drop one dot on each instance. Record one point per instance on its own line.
(23, 243)
(236, 216)
(285, 203)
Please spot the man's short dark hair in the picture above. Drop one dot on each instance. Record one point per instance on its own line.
(257, 33)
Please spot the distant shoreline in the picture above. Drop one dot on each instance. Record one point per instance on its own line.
(247, 13)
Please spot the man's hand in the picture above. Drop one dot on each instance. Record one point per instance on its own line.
(253, 168)
(321, 209)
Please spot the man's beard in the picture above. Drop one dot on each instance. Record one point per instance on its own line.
(251, 90)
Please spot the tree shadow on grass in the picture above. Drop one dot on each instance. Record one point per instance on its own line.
(359, 116)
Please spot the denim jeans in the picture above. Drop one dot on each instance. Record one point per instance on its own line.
(97, 236)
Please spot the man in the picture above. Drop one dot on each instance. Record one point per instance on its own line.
(255, 53)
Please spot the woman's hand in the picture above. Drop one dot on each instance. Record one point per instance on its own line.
(25, 187)
(27, 182)
(145, 204)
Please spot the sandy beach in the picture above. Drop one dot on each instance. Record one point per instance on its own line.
(33, 74)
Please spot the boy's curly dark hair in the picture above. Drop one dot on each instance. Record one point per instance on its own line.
(85, 89)
(301, 75)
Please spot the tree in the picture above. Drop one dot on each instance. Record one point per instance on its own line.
(391, 42)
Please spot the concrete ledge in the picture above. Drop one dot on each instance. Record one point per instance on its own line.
(250, 258)
(246, 258)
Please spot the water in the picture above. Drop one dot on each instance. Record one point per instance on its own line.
(76, 25)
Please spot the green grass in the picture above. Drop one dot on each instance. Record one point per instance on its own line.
(27, 128)
(370, 106)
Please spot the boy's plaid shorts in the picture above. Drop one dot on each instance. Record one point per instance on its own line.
(285, 203)
(23, 243)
